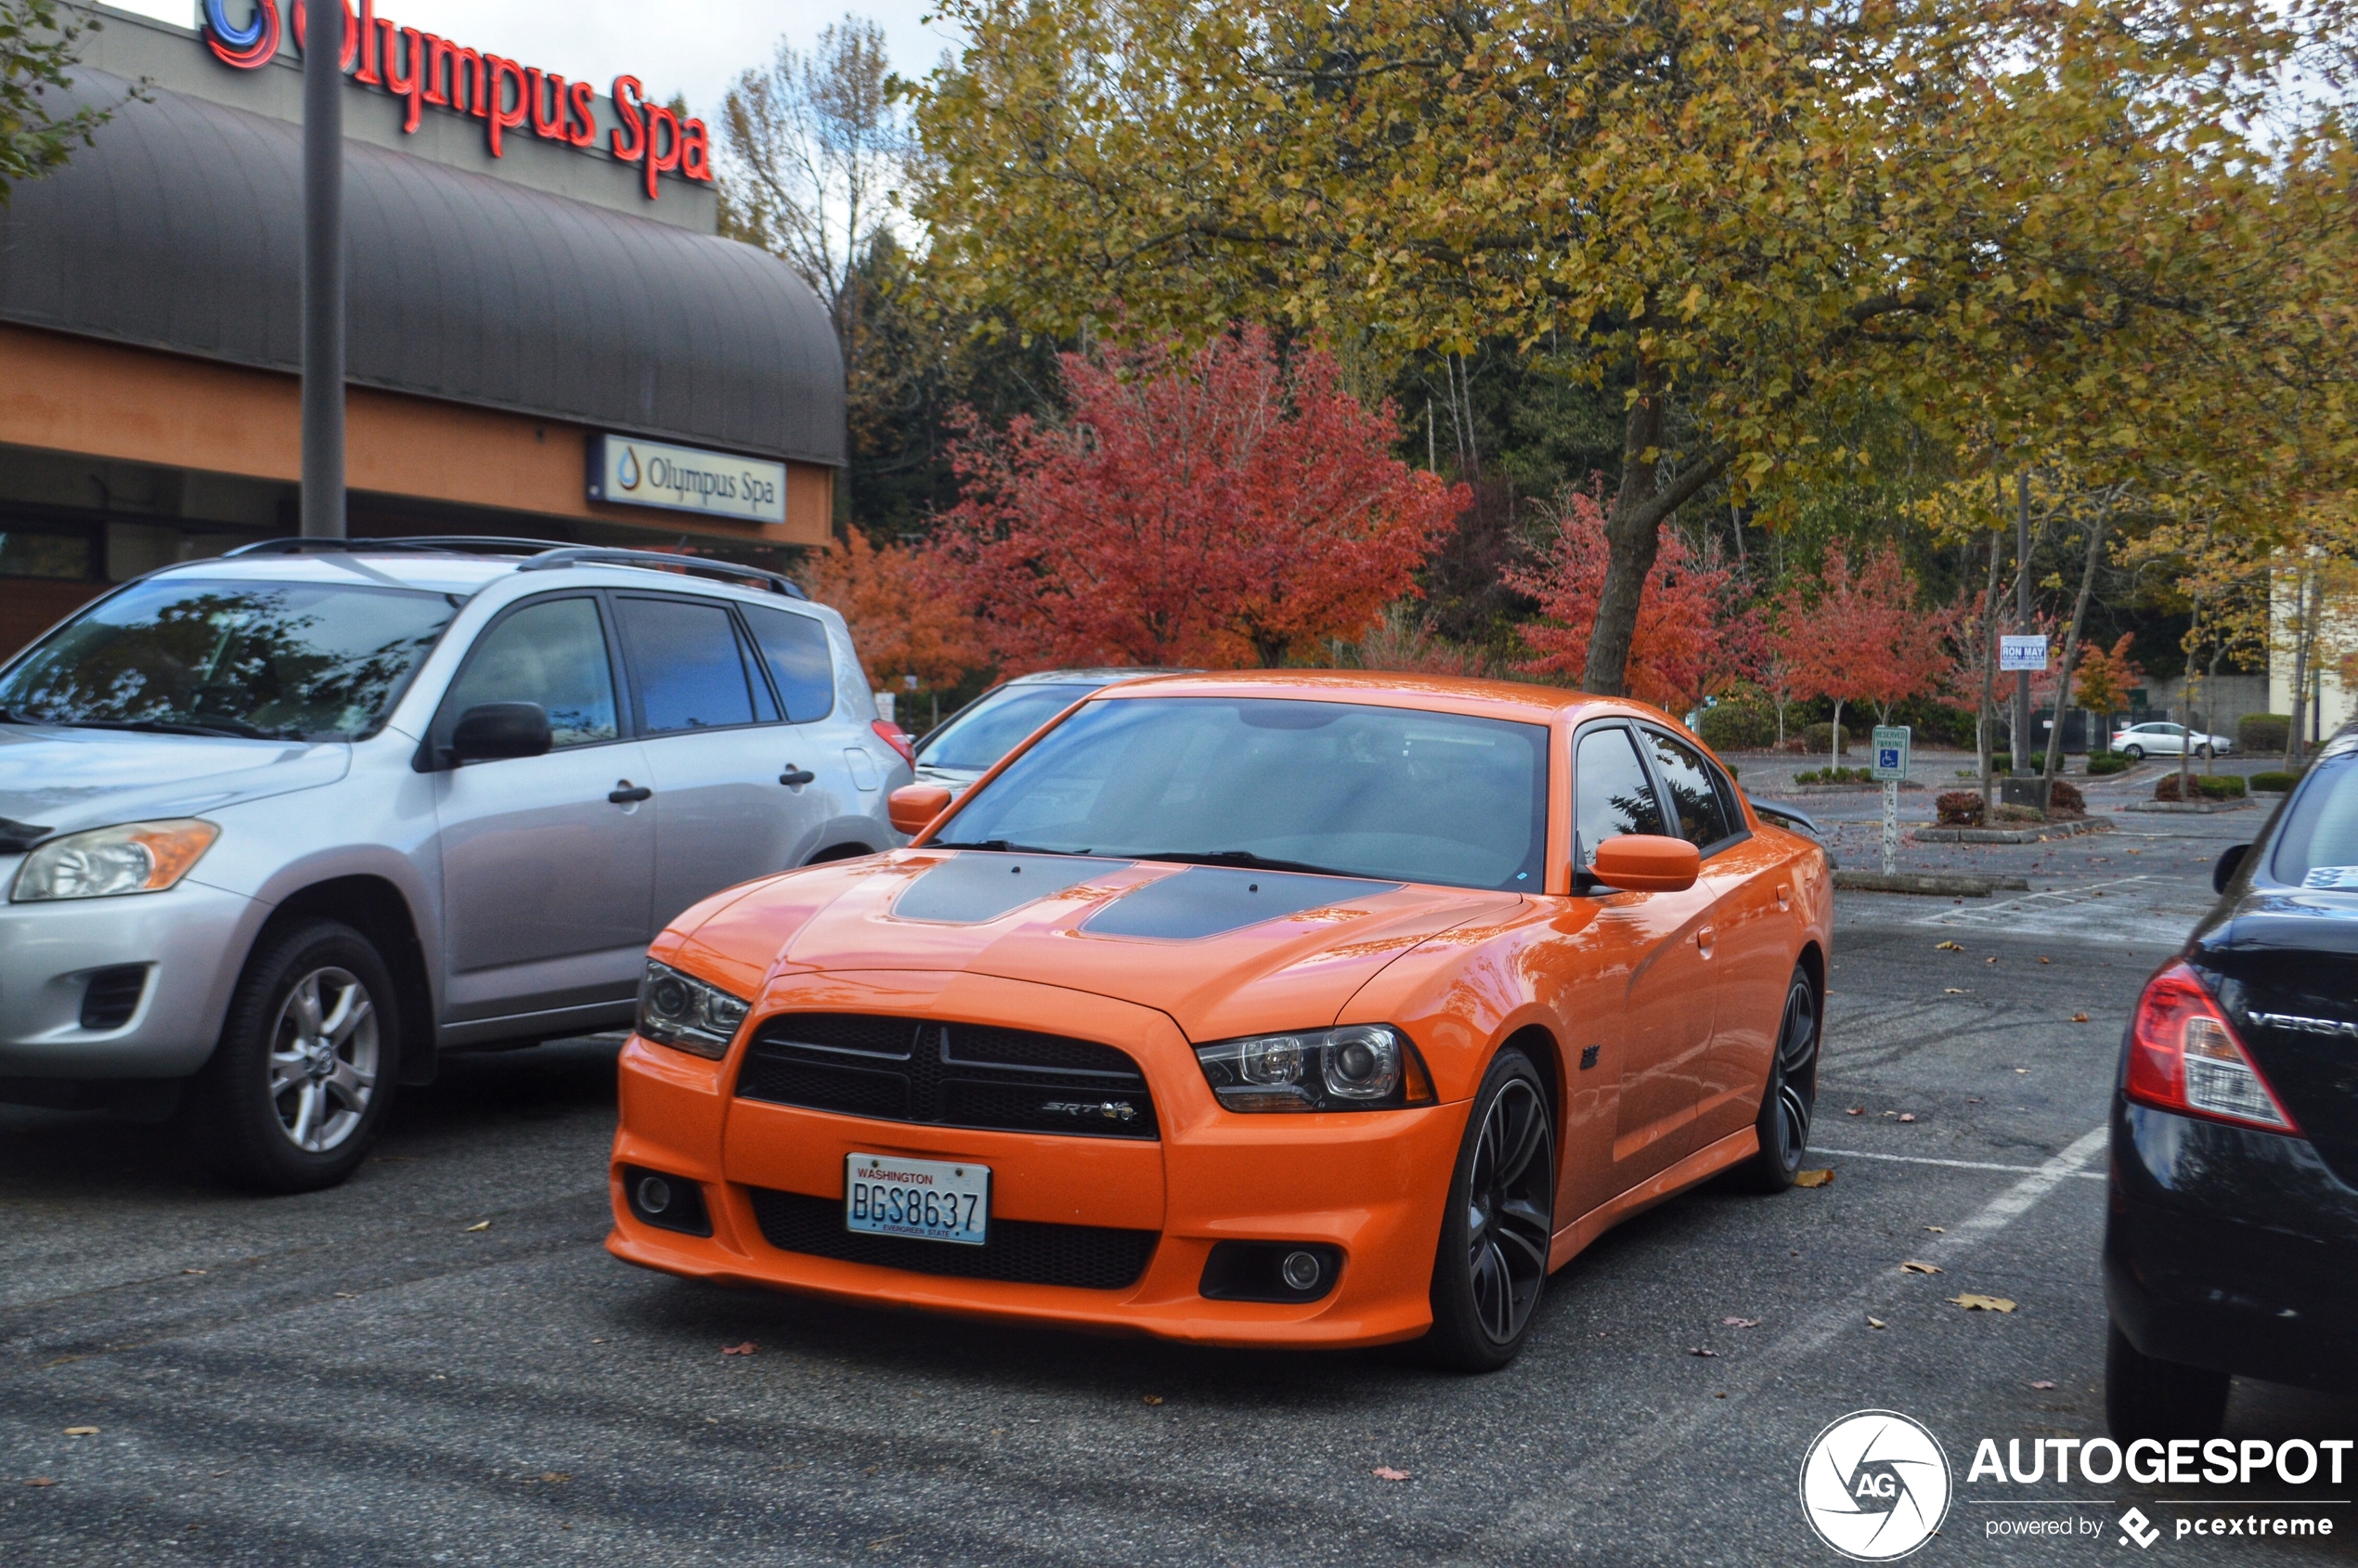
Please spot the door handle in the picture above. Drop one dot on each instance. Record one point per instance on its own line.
(1704, 937)
(623, 794)
(794, 775)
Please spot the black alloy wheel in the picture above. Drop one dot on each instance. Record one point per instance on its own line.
(1492, 1266)
(1790, 1098)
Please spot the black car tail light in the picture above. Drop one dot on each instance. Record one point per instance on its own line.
(665, 1202)
(1271, 1271)
(112, 996)
(2184, 1056)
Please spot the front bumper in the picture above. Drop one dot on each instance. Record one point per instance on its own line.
(1368, 1183)
(191, 940)
(2232, 1248)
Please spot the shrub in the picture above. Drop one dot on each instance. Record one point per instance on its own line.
(1959, 807)
(1821, 738)
(2263, 732)
(1736, 727)
(2224, 786)
(2103, 762)
(2020, 814)
(2273, 783)
(1836, 775)
(2064, 799)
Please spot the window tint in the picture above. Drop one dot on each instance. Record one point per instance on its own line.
(685, 661)
(2317, 847)
(1616, 796)
(553, 654)
(989, 728)
(795, 647)
(1701, 820)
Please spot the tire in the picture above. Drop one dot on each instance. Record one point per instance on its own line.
(316, 1017)
(2135, 753)
(1490, 1268)
(2159, 1399)
(2203, 752)
(1788, 1100)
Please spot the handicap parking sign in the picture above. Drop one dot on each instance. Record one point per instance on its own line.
(1891, 752)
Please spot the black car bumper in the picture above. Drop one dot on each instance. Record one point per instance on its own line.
(2232, 1248)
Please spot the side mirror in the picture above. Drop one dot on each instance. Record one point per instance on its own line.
(2230, 861)
(491, 730)
(914, 807)
(1647, 862)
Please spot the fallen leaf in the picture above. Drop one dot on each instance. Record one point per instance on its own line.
(556, 1477)
(1813, 1178)
(1877, 1323)
(1912, 1267)
(2079, 1017)
(1972, 1302)
(1855, 1111)
(82, 1431)
(1152, 1398)
(2046, 961)
(1385, 1473)
(1739, 1323)
(1699, 1350)
(480, 1225)
(2024, 1070)
(1950, 947)
(41, 1481)
(348, 1295)
(192, 1271)
(1951, 991)
(749, 1348)
(1907, 1116)
(2044, 1383)
(1938, 1230)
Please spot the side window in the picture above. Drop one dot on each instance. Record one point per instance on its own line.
(686, 663)
(553, 654)
(1613, 795)
(1702, 822)
(795, 647)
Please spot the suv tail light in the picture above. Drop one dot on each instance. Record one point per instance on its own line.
(895, 737)
(2184, 1055)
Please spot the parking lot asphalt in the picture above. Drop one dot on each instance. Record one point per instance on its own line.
(376, 1375)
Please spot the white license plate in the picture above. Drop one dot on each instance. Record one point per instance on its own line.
(931, 1199)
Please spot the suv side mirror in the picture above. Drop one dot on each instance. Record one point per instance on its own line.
(1647, 862)
(912, 806)
(490, 731)
(2230, 861)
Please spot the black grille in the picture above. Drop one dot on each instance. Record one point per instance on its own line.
(1024, 1251)
(952, 1075)
(112, 996)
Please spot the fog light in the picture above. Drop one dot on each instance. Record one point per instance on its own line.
(666, 1202)
(1299, 1270)
(655, 1194)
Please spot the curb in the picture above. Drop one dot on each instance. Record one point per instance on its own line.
(2038, 832)
(1947, 885)
(2189, 808)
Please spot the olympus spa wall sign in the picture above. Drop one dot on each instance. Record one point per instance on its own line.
(630, 472)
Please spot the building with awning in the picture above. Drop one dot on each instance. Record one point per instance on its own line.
(548, 337)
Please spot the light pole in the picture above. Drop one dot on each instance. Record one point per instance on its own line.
(2021, 616)
(323, 513)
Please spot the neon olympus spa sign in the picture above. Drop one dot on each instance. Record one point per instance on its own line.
(502, 93)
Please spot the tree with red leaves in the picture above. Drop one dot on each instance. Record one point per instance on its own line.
(1693, 637)
(1216, 508)
(903, 612)
(1862, 637)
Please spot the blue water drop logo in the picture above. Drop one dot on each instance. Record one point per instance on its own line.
(628, 472)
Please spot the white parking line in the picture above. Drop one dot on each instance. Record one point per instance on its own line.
(1952, 1164)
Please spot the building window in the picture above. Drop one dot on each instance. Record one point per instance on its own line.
(44, 555)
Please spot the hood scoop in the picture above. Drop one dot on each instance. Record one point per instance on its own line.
(976, 887)
(1206, 900)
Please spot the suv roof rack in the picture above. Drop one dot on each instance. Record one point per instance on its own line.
(540, 556)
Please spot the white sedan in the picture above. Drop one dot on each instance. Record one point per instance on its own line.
(2141, 741)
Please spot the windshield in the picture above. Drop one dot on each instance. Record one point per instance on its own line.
(992, 726)
(1342, 787)
(281, 661)
(2317, 847)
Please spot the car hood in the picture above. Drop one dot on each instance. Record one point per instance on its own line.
(65, 778)
(1222, 951)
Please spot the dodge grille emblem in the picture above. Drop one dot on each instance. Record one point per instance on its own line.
(1109, 1110)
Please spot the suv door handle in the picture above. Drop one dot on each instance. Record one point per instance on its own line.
(794, 775)
(624, 795)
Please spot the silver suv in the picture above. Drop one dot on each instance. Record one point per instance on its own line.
(278, 829)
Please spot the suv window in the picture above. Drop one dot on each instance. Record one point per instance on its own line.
(552, 652)
(795, 647)
(1613, 793)
(1703, 821)
(687, 663)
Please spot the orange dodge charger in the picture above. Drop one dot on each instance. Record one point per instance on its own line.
(1271, 1009)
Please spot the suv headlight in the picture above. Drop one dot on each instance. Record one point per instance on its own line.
(1358, 1066)
(684, 1013)
(135, 858)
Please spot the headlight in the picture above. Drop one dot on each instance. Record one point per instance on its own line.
(135, 858)
(683, 1012)
(1359, 1067)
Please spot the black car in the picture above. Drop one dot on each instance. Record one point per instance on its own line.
(2231, 1245)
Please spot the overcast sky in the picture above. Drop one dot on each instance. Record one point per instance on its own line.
(692, 47)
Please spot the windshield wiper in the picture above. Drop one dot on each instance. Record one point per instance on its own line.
(1001, 846)
(1246, 860)
(241, 732)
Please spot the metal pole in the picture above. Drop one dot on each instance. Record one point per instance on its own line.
(2022, 614)
(323, 333)
(1890, 826)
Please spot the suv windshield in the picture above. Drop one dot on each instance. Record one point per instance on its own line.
(278, 661)
(989, 728)
(1342, 787)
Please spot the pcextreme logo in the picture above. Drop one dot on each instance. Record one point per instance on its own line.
(1875, 1485)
